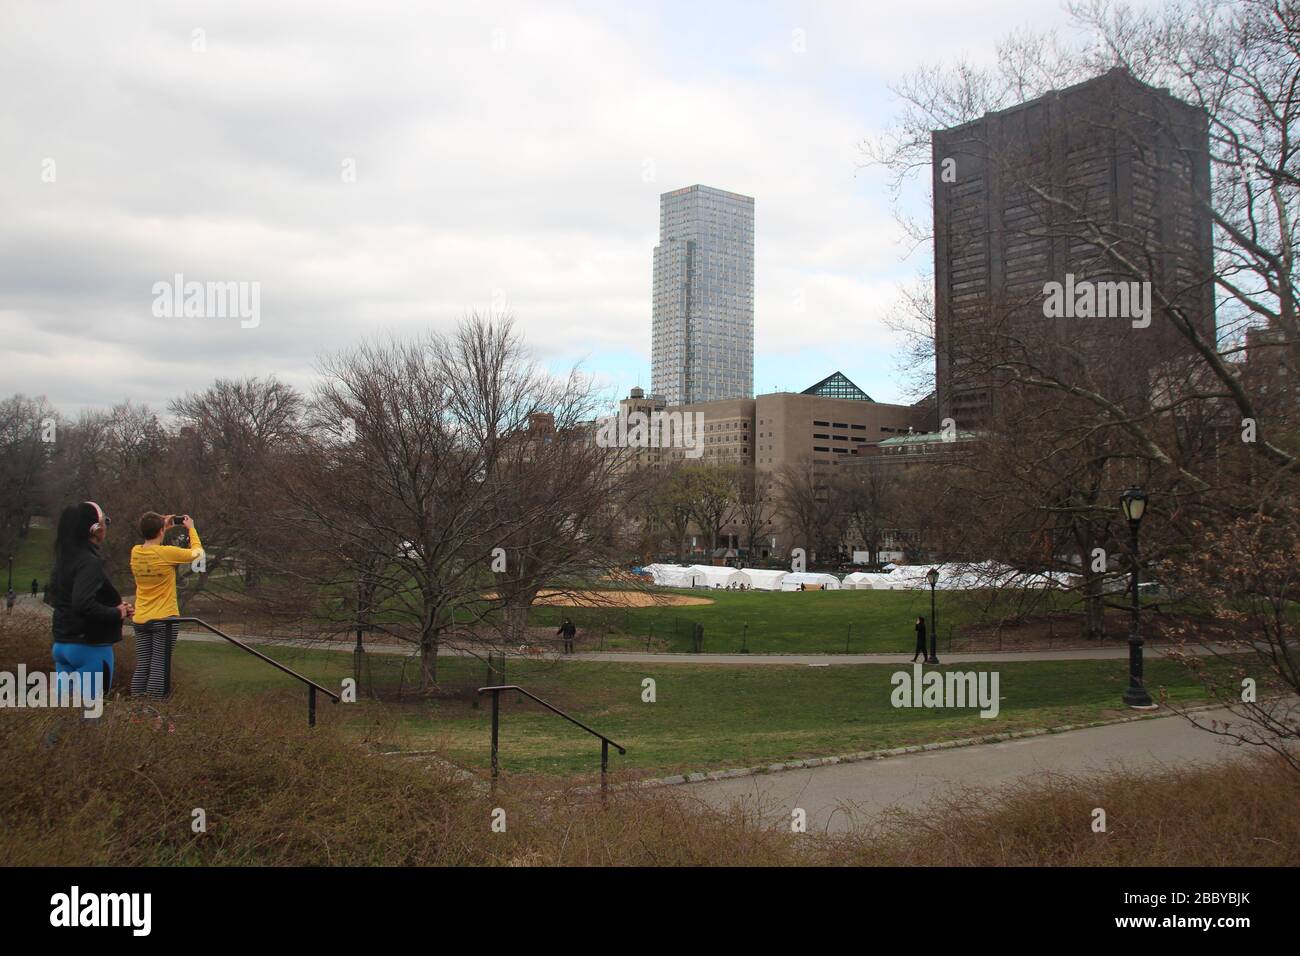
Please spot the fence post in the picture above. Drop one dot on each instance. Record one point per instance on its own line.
(496, 667)
(496, 723)
(311, 706)
(848, 637)
(356, 659)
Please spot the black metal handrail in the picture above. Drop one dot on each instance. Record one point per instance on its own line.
(496, 723)
(312, 686)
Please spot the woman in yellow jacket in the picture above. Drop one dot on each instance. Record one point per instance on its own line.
(153, 564)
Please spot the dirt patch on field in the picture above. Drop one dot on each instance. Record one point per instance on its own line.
(611, 599)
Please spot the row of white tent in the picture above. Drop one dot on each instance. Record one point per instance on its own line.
(757, 579)
(952, 577)
(956, 577)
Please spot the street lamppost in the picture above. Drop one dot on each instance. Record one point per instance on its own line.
(1134, 503)
(933, 577)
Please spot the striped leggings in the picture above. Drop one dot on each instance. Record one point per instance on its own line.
(154, 642)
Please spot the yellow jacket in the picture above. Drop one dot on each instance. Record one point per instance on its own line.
(154, 568)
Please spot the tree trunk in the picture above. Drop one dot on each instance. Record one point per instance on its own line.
(1094, 606)
(428, 661)
(517, 624)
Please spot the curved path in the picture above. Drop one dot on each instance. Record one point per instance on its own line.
(835, 798)
(1112, 652)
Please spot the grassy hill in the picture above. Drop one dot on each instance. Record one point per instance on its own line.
(33, 557)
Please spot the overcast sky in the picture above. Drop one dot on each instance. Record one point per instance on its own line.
(505, 156)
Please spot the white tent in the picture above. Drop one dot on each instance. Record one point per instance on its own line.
(952, 577)
(673, 575)
(1053, 579)
(967, 577)
(710, 576)
(791, 581)
(764, 579)
(867, 581)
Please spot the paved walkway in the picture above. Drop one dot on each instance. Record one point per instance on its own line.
(1111, 652)
(837, 797)
(787, 660)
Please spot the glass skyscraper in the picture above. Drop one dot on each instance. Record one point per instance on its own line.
(702, 327)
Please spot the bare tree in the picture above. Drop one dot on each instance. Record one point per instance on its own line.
(227, 440)
(711, 496)
(25, 423)
(756, 506)
(869, 495)
(119, 458)
(561, 505)
(809, 502)
(1247, 575)
(669, 507)
(1212, 436)
(419, 463)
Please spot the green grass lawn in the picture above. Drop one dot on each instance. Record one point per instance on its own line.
(33, 558)
(767, 622)
(705, 716)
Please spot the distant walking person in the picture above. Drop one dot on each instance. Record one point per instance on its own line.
(568, 630)
(153, 565)
(88, 611)
(36, 586)
(10, 598)
(920, 640)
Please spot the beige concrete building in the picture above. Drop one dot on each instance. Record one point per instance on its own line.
(780, 428)
(799, 428)
(771, 433)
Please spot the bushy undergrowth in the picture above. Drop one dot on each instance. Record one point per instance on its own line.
(1240, 813)
(125, 790)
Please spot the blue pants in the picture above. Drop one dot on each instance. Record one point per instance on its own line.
(86, 660)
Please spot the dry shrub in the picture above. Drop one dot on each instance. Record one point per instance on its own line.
(122, 792)
(25, 639)
(1236, 813)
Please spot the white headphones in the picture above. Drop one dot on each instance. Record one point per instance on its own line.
(100, 513)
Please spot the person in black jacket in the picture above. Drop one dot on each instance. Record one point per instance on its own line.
(568, 630)
(88, 610)
(920, 640)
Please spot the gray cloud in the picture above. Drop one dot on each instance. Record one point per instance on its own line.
(510, 154)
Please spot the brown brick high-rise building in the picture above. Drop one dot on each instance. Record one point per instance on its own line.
(1036, 194)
